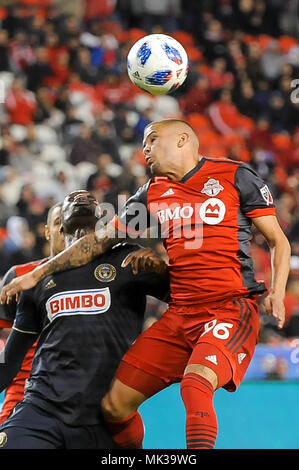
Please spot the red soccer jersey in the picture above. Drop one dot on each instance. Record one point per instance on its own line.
(15, 392)
(205, 222)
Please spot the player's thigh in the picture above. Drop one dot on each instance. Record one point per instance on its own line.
(227, 344)
(87, 437)
(15, 437)
(157, 359)
(29, 427)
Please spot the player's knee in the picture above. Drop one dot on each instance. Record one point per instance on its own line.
(121, 401)
(204, 372)
(111, 407)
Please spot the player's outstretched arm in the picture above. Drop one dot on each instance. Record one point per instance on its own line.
(280, 260)
(79, 253)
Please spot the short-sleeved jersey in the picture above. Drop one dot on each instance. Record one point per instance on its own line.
(15, 391)
(205, 221)
(86, 318)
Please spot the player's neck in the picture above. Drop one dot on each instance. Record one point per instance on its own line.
(70, 238)
(186, 166)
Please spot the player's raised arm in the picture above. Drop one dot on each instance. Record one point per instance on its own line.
(80, 253)
(280, 260)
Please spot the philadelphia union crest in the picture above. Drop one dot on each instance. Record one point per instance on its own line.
(105, 272)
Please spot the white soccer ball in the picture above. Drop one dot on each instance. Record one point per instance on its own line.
(157, 64)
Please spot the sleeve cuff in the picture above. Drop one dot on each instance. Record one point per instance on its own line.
(121, 227)
(261, 212)
(25, 331)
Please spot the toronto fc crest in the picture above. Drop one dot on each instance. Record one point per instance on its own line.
(212, 187)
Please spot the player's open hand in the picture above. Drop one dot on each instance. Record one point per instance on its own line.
(27, 281)
(274, 307)
(145, 259)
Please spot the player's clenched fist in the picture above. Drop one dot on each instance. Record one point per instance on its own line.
(145, 259)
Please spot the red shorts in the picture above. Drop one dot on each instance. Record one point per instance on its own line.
(221, 336)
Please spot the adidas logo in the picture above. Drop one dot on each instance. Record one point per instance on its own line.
(136, 75)
(241, 356)
(212, 358)
(50, 284)
(168, 193)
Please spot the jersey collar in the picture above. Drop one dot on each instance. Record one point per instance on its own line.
(192, 172)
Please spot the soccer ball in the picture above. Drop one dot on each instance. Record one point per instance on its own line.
(157, 64)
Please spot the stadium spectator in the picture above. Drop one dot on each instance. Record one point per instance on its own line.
(6, 210)
(226, 117)
(40, 70)
(278, 113)
(244, 99)
(54, 48)
(22, 55)
(95, 9)
(199, 97)
(4, 50)
(106, 139)
(272, 60)
(20, 104)
(87, 72)
(70, 28)
(16, 228)
(213, 39)
(84, 147)
(103, 183)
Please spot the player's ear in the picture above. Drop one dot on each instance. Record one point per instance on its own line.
(183, 139)
(47, 233)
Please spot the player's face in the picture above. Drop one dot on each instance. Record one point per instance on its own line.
(159, 148)
(53, 232)
(78, 207)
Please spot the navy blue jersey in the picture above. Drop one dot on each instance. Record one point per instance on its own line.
(86, 318)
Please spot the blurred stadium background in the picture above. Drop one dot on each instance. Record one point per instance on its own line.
(70, 118)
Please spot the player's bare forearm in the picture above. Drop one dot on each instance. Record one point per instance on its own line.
(274, 302)
(80, 253)
(280, 251)
(280, 260)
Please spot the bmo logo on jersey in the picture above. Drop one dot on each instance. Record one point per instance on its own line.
(211, 212)
(77, 302)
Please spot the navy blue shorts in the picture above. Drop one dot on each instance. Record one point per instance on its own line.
(30, 427)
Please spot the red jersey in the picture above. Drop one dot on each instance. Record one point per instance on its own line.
(205, 221)
(15, 392)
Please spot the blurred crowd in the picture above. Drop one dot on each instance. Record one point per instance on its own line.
(70, 117)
